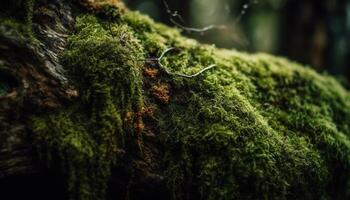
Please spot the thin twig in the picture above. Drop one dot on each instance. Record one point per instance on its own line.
(171, 13)
(165, 52)
(244, 9)
(159, 59)
(198, 30)
(196, 74)
(175, 14)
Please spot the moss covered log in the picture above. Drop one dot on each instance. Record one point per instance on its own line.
(255, 126)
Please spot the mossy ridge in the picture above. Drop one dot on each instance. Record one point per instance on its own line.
(88, 137)
(256, 127)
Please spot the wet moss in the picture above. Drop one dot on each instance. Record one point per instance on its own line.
(254, 127)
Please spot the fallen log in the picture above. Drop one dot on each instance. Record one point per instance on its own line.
(99, 102)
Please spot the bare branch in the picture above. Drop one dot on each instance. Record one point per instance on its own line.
(198, 30)
(165, 52)
(175, 14)
(244, 9)
(171, 13)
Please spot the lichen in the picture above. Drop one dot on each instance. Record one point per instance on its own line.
(254, 127)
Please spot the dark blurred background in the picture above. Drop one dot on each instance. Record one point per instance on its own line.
(312, 32)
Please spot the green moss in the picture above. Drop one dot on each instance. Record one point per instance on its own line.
(88, 136)
(254, 127)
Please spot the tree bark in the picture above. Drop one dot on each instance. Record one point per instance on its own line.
(34, 80)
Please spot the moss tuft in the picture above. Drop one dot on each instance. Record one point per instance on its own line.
(254, 127)
(161, 93)
(88, 136)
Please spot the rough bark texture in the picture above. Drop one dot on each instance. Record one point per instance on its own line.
(85, 105)
(32, 78)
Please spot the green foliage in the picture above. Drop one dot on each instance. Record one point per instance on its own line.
(254, 127)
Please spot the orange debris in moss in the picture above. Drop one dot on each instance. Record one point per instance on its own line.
(150, 72)
(139, 126)
(161, 92)
(148, 111)
(128, 116)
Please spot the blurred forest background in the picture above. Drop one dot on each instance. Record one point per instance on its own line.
(312, 32)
